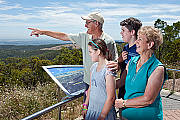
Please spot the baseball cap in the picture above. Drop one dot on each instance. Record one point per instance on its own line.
(94, 16)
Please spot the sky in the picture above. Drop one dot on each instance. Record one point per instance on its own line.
(65, 15)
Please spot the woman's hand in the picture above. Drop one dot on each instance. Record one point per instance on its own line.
(119, 103)
(101, 117)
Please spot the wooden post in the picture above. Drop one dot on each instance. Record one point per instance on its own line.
(174, 75)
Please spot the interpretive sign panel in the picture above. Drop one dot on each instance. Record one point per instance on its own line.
(68, 77)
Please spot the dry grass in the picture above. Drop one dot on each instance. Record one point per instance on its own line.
(17, 103)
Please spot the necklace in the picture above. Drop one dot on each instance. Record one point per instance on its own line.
(138, 65)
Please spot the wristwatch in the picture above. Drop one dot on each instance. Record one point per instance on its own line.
(124, 103)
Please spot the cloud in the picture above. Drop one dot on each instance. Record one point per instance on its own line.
(99, 5)
(67, 15)
(54, 10)
(5, 5)
(167, 16)
(10, 7)
(2, 1)
(170, 19)
(148, 23)
(109, 10)
(6, 17)
(135, 9)
(106, 5)
(59, 15)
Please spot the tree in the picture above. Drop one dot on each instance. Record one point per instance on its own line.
(169, 51)
(160, 25)
(69, 57)
(177, 28)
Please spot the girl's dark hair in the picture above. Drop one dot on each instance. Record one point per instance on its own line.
(101, 45)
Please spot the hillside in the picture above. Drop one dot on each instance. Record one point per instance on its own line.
(24, 51)
(60, 47)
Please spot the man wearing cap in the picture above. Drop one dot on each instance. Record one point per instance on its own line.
(94, 24)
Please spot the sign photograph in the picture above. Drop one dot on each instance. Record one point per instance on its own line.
(68, 77)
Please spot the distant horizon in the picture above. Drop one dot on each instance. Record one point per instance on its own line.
(36, 42)
(39, 39)
(32, 42)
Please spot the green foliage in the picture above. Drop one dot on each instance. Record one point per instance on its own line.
(25, 51)
(28, 71)
(120, 48)
(69, 57)
(168, 52)
(172, 54)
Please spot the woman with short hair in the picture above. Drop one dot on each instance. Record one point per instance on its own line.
(144, 79)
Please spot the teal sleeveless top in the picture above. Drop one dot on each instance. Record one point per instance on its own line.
(135, 86)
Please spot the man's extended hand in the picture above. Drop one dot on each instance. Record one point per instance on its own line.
(36, 32)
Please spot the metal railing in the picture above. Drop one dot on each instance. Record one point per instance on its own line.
(58, 105)
(68, 99)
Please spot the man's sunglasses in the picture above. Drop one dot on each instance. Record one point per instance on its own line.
(87, 22)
